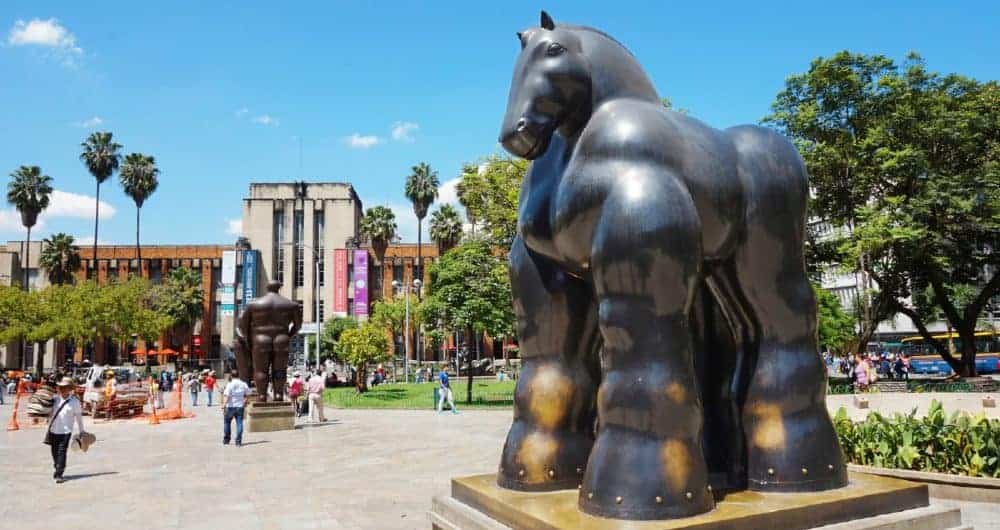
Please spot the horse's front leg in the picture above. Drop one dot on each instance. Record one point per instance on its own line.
(552, 434)
(647, 461)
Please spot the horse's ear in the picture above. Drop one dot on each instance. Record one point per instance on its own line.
(547, 22)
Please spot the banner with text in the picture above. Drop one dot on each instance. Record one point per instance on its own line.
(361, 283)
(340, 282)
(228, 267)
(250, 258)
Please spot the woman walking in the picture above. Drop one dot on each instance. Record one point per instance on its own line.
(66, 411)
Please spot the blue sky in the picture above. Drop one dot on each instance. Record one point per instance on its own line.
(222, 94)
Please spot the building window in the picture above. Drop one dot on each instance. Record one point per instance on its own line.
(216, 277)
(112, 274)
(300, 251)
(217, 310)
(322, 309)
(375, 282)
(397, 272)
(278, 231)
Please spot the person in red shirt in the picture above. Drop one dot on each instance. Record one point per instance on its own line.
(210, 386)
(294, 391)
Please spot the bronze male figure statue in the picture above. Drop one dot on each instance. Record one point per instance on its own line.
(660, 289)
(267, 325)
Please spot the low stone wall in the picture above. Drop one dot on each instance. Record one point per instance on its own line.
(858, 406)
(942, 485)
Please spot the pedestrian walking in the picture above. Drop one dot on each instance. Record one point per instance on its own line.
(210, 386)
(234, 399)
(66, 410)
(315, 389)
(295, 392)
(194, 387)
(445, 393)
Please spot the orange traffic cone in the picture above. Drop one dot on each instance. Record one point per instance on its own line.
(12, 425)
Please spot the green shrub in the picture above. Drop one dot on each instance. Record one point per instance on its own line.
(959, 444)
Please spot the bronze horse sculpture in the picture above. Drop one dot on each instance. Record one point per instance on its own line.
(667, 326)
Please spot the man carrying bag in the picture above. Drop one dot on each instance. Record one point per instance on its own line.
(66, 411)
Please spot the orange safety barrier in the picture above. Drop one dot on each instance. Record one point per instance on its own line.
(13, 425)
(172, 411)
(19, 417)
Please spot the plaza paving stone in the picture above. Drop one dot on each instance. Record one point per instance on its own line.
(364, 469)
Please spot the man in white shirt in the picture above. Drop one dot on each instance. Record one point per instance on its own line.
(314, 388)
(234, 399)
(66, 411)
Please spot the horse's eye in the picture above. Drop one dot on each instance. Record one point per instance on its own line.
(554, 49)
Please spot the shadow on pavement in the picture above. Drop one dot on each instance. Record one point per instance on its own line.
(88, 475)
(314, 425)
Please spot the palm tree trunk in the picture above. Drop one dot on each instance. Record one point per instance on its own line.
(420, 261)
(24, 287)
(97, 215)
(138, 252)
(27, 262)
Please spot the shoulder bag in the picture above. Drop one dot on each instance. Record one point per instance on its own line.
(48, 431)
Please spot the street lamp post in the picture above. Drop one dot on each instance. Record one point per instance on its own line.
(406, 324)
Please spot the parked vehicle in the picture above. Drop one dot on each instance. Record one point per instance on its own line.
(131, 391)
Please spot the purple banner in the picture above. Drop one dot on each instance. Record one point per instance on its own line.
(361, 282)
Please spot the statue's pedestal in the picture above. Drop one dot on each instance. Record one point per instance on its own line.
(868, 502)
(270, 416)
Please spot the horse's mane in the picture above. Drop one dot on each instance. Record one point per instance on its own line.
(598, 32)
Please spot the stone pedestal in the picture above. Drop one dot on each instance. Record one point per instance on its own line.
(869, 502)
(270, 416)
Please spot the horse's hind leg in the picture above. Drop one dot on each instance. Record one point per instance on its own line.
(552, 434)
(791, 444)
(647, 461)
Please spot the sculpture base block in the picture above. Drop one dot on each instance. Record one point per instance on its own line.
(270, 416)
(868, 502)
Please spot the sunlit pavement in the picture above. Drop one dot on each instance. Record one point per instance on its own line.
(363, 469)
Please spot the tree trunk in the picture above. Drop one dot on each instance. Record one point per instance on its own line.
(97, 215)
(361, 380)
(24, 287)
(967, 332)
(138, 252)
(468, 386)
(419, 274)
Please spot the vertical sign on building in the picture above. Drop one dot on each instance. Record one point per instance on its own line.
(227, 306)
(361, 283)
(249, 275)
(340, 282)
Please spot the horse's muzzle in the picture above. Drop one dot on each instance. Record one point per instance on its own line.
(526, 139)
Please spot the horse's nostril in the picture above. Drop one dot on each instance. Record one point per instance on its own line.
(521, 124)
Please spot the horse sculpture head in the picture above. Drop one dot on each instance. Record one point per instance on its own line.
(550, 90)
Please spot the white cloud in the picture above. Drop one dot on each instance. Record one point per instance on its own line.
(448, 192)
(234, 227)
(10, 222)
(38, 32)
(359, 141)
(89, 123)
(402, 131)
(77, 206)
(241, 112)
(266, 119)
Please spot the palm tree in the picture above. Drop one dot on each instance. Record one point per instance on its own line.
(138, 179)
(29, 191)
(421, 189)
(100, 155)
(446, 228)
(379, 226)
(59, 258)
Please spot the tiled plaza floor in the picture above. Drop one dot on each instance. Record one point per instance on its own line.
(362, 470)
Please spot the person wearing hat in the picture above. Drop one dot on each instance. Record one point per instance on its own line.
(66, 410)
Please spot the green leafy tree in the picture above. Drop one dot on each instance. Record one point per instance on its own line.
(390, 315)
(332, 329)
(100, 155)
(909, 161)
(361, 347)
(470, 291)
(138, 178)
(379, 226)
(488, 190)
(28, 191)
(446, 228)
(422, 189)
(60, 258)
(180, 298)
(836, 327)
